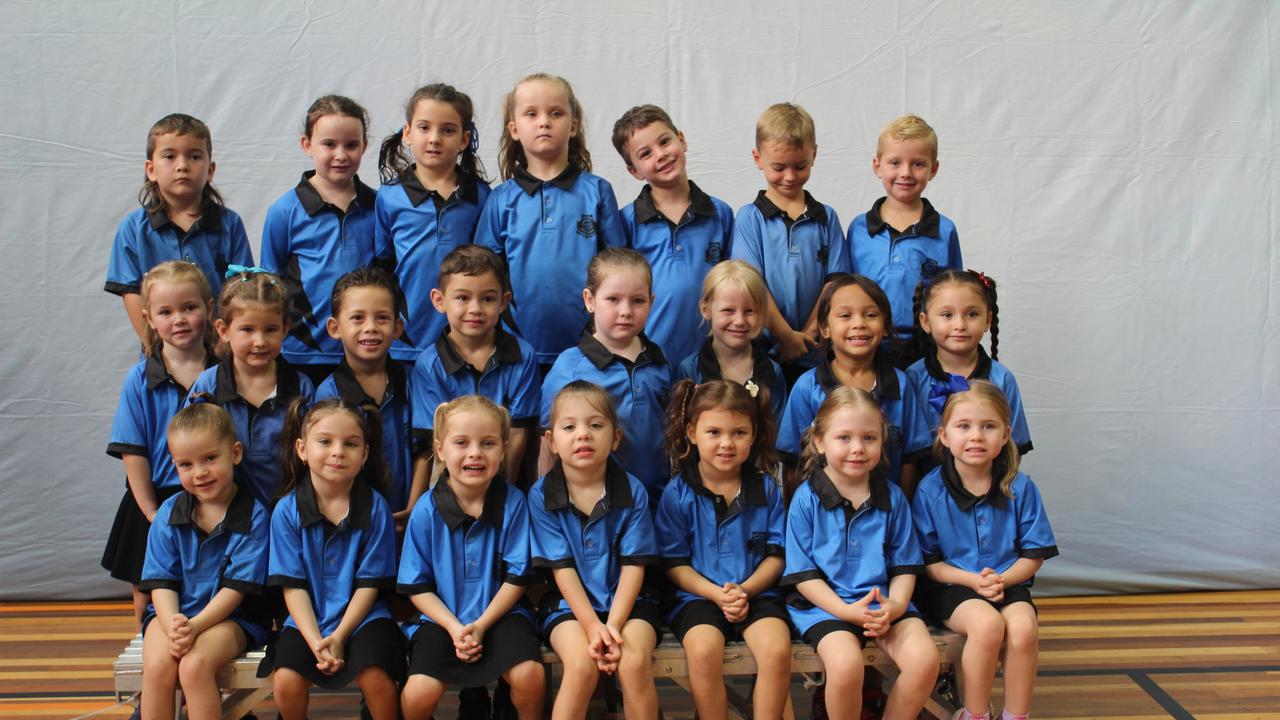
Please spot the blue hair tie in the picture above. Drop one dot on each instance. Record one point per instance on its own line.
(244, 272)
(475, 137)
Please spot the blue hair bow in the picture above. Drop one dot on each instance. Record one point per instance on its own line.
(939, 391)
(234, 270)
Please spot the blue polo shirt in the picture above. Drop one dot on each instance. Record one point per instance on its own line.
(146, 239)
(933, 385)
(795, 256)
(680, 253)
(547, 232)
(182, 558)
(332, 561)
(396, 410)
(639, 391)
(310, 244)
(704, 366)
(898, 261)
(466, 560)
(149, 399)
(418, 234)
(619, 531)
(972, 532)
(897, 399)
(509, 379)
(722, 540)
(257, 428)
(850, 549)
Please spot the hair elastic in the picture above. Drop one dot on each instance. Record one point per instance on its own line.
(475, 137)
(244, 272)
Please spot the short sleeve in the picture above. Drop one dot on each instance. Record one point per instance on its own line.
(1035, 536)
(376, 564)
(525, 403)
(383, 242)
(915, 426)
(637, 545)
(838, 260)
(800, 565)
(797, 415)
(775, 540)
(124, 270)
(557, 377)
(724, 214)
(747, 244)
(903, 550)
(611, 231)
(246, 559)
(547, 544)
(417, 572)
(926, 530)
(427, 391)
(516, 567)
(672, 524)
(129, 434)
(163, 565)
(239, 252)
(490, 230)
(275, 238)
(284, 566)
(207, 382)
(954, 259)
(778, 393)
(852, 237)
(1021, 434)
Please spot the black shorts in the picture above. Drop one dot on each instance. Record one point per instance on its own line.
(938, 602)
(814, 635)
(379, 643)
(126, 548)
(508, 643)
(642, 610)
(705, 612)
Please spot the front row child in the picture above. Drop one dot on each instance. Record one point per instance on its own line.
(333, 551)
(592, 530)
(853, 557)
(206, 549)
(465, 565)
(721, 520)
(983, 590)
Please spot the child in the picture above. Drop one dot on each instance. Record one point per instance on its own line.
(982, 588)
(617, 356)
(182, 216)
(176, 306)
(443, 167)
(902, 240)
(733, 303)
(592, 530)
(465, 565)
(474, 356)
(679, 229)
(721, 523)
(323, 228)
(793, 240)
(333, 551)
(551, 215)
(955, 308)
(853, 557)
(365, 321)
(206, 550)
(252, 381)
(852, 316)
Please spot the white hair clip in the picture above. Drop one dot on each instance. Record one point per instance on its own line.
(752, 388)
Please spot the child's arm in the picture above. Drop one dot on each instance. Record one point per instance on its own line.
(820, 593)
(137, 468)
(221, 605)
(791, 343)
(133, 309)
(361, 603)
(765, 576)
(630, 579)
(166, 603)
(505, 599)
(298, 602)
(599, 639)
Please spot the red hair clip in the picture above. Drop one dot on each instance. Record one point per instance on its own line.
(982, 277)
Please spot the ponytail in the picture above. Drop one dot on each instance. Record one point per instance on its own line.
(393, 160)
(298, 420)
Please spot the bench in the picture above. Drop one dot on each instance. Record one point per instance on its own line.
(247, 689)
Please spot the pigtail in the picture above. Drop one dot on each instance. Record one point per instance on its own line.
(469, 161)
(374, 472)
(678, 446)
(1005, 468)
(763, 448)
(988, 286)
(810, 459)
(923, 340)
(292, 469)
(392, 158)
(252, 285)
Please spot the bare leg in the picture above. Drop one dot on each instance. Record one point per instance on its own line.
(198, 669)
(528, 684)
(292, 693)
(381, 696)
(704, 650)
(1021, 656)
(911, 648)
(140, 601)
(580, 671)
(159, 674)
(420, 697)
(770, 643)
(635, 671)
(983, 629)
(841, 655)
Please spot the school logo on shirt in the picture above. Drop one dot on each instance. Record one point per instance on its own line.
(715, 253)
(587, 226)
(928, 269)
(757, 543)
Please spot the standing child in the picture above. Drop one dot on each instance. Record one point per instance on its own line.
(205, 552)
(182, 216)
(176, 305)
(852, 316)
(593, 531)
(333, 550)
(551, 215)
(616, 355)
(322, 229)
(721, 523)
(252, 381)
(465, 565)
(793, 240)
(442, 166)
(365, 321)
(982, 589)
(678, 228)
(902, 240)
(734, 301)
(853, 558)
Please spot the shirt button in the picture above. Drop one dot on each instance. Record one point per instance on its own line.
(187, 258)
(591, 543)
(678, 248)
(895, 258)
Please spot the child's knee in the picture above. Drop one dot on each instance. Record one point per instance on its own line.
(844, 665)
(704, 649)
(421, 695)
(773, 652)
(160, 665)
(374, 680)
(288, 683)
(196, 667)
(580, 671)
(1021, 634)
(635, 668)
(528, 676)
(987, 629)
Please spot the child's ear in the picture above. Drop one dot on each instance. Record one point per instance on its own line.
(546, 437)
(617, 439)
(688, 433)
(511, 130)
(220, 326)
(875, 165)
(634, 172)
(331, 325)
(504, 302)
(305, 142)
(437, 300)
(213, 166)
(300, 447)
(755, 156)
(589, 300)
(150, 169)
(397, 328)
(237, 453)
(934, 172)
(923, 319)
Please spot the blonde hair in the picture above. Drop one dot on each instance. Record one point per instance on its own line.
(475, 403)
(511, 152)
(983, 392)
(788, 124)
(908, 127)
(841, 398)
(741, 275)
(204, 417)
(176, 272)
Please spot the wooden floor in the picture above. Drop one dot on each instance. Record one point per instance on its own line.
(1194, 655)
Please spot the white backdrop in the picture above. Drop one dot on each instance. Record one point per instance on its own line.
(1112, 164)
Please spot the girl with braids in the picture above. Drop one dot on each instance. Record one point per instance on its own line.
(433, 187)
(954, 310)
(720, 524)
(983, 590)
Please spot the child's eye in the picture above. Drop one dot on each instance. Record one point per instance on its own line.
(450, 130)
(871, 437)
(353, 443)
(597, 426)
(322, 441)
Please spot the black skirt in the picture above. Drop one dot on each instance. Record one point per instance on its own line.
(508, 643)
(127, 544)
(379, 643)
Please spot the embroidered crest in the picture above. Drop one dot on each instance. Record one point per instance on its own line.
(928, 269)
(715, 253)
(587, 226)
(757, 543)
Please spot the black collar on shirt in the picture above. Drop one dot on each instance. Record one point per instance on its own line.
(751, 488)
(617, 490)
(831, 498)
(312, 203)
(224, 390)
(600, 356)
(761, 368)
(886, 378)
(157, 373)
(418, 193)
(530, 184)
(210, 215)
(359, 508)
(699, 204)
(981, 371)
(927, 225)
(813, 209)
(495, 499)
(955, 486)
(238, 519)
(351, 392)
(506, 350)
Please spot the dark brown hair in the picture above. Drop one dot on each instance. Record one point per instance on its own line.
(298, 421)
(635, 119)
(393, 161)
(178, 124)
(688, 401)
